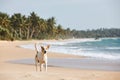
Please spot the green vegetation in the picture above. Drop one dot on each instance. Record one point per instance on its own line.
(99, 33)
(20, 27)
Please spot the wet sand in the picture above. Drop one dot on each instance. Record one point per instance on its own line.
(77, 63)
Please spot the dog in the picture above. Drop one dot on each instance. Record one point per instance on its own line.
(41, 56)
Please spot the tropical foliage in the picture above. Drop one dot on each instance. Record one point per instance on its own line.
(20, 27)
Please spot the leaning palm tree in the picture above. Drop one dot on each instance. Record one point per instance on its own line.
(34, 20)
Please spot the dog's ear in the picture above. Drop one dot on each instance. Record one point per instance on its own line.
(47, 47)
(42, 48)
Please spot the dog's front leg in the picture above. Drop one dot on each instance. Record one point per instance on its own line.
(42, 66)
(46, 66)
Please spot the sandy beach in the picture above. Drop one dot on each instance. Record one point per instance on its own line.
(10, 51)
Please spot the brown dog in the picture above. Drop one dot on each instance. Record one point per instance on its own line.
(41, 57)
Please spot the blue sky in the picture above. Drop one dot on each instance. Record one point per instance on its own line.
(75, 14)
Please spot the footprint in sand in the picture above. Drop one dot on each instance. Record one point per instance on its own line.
(27, 75)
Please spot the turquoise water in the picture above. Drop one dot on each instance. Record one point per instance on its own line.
(107, 48)
(103, 48)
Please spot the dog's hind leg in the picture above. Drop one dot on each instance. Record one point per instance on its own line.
(36, 65)
(40, 67)
(36, 62)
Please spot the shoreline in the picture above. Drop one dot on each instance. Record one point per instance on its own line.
(9, 51)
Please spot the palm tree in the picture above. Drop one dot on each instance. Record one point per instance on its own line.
(4, 20)
(34, 20)
(17, 22)
(51, 24)
(4, 26)
(42, 25)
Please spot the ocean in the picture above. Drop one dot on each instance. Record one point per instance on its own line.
(104, 48)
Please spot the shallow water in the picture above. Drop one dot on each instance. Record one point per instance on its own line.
(107, 48)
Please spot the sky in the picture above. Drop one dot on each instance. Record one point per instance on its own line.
(73, 14)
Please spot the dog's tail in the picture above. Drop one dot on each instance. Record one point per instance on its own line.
(36, 47)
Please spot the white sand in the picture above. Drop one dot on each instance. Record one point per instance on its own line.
(9, 71)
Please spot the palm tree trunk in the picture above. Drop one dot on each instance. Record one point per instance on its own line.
(20, 33)
(28, 33)
(31, 35)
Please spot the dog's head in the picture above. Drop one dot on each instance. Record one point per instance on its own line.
(44, 50)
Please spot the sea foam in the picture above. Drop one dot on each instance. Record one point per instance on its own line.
(85, 47)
